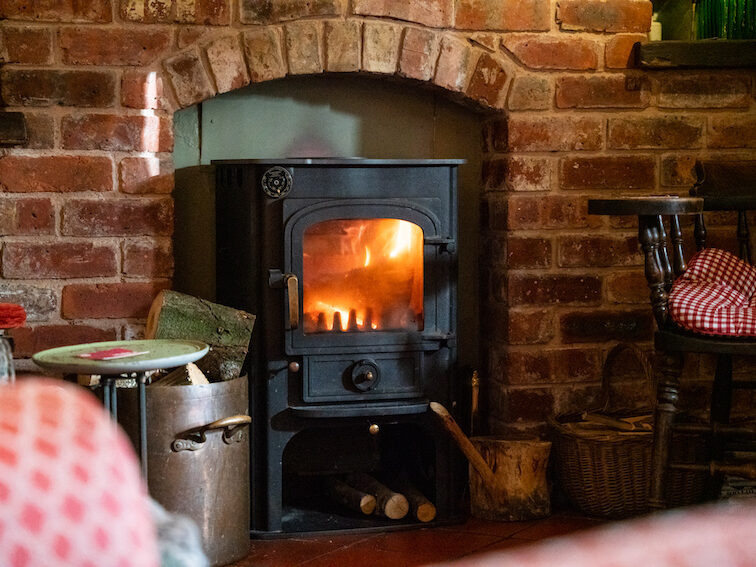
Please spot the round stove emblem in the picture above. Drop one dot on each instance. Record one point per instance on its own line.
(276, 182)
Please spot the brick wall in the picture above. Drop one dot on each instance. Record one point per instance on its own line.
(86, 216)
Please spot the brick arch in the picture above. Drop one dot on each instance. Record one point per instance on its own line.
(380, 47)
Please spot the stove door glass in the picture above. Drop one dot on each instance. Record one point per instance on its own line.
(362, 275)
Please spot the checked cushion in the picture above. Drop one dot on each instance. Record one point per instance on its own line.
(716, 295)
(71, 493)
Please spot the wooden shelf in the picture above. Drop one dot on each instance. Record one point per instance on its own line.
(702, 54)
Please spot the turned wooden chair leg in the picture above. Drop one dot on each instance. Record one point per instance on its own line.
(666, 408)
(721, 403)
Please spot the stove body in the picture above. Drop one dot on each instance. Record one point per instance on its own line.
(350, 266)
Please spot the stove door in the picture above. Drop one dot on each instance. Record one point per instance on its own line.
(369, 273)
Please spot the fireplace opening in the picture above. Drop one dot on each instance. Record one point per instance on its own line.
(351, 266)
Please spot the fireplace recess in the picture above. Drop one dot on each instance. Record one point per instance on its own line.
(350, 266)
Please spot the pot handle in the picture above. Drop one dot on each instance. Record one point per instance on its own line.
(194, 438)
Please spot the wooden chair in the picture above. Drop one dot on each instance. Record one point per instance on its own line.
(665, 260)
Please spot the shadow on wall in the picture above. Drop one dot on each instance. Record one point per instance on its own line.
(321, 117)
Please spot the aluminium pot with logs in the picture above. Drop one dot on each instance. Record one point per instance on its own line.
(198, 455)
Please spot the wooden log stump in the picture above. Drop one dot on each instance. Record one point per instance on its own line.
(175, 315)
(388, 503)
(349, 497)
(420, 507)
(521, 491)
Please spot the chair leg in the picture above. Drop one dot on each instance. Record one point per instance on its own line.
(666, 408)
(721, 404)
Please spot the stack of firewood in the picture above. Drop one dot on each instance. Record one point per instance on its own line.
(362, 493)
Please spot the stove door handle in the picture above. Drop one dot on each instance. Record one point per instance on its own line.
(292, 289)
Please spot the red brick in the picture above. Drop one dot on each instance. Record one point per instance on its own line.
(53, 259)
(528, 367)
(627, 287)
(105, 46)
(494, 211)
(303, 51)
(31, 216)
(555, 133)
(419, 53)
(455, 64)
(529, 326)
(380, 47)
(112, 132)
(264, 55)
(67, 88)
(40, 130)
(227, 64)
(109, 301)
(90, 11)
(190, 80)
(608, 172)
(29, 341)
(528, 174)
(493, 174)
(431, 13)
(608, 91)
(488, 84)
(576, 365)
(528, 252)
(605, 15)
(547, 289)
(189, 35)
(601, 326)
(532, 404)
(40, 302)
(343, 42)
(27, 46)
(273, 11)
(677, 170)
(145, 175)
(704, 90)
(548, 52)
(560, 211)
(488, 40)
(732, 132)
(620, 50)
(661, 132)
(118, 217)
(26, 174)
(523, 212)
(203, 12)
(148, 259)
(504, 15)
(530, 92)
(495, 135)
(142, 89)
(598, 251)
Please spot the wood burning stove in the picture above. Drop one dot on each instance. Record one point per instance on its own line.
(350, 265)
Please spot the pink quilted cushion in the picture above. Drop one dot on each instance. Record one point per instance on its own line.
(716, 295)
(70, 485)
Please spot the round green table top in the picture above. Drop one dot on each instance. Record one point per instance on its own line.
(121, 357)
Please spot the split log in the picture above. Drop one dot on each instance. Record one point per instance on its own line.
(175, 315)
(349, 497)
(421, 508)
(387, 502)
(187, 375)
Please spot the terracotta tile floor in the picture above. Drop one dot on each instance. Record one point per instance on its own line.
(410, 547)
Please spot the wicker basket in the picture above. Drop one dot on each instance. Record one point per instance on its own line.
(607, 473)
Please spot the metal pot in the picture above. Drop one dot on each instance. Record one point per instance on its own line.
(198, 458)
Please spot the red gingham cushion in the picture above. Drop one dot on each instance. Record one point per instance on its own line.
(716, 295)
(71, 491)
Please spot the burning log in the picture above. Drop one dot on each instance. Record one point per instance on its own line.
(228, 331)
(349, 497)
(388, 503)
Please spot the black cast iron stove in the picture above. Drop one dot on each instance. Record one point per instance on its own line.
(350, 266)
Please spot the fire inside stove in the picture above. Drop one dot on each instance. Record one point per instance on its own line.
(362, 275)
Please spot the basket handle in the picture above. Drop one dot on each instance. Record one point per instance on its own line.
(606, 377)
